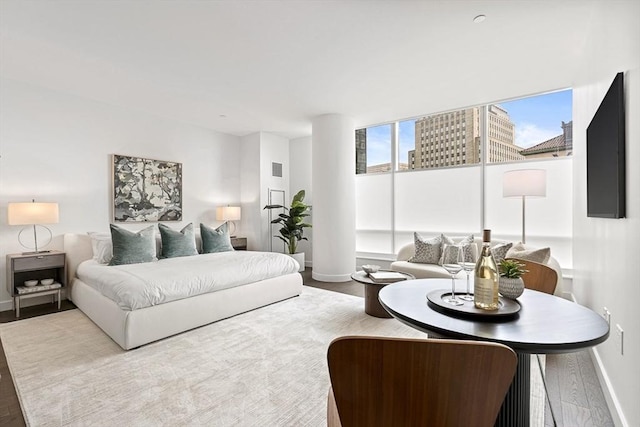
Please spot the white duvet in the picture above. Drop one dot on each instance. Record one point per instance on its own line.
(136, 286)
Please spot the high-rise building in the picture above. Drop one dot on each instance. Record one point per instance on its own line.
(361, 151)
(453, 138)
(501, 146)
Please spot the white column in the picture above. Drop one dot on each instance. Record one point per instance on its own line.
(333, 181)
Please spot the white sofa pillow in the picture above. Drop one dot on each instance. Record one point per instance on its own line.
(426, 251)
(518, 251)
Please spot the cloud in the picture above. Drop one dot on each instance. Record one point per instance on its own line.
(528, 134)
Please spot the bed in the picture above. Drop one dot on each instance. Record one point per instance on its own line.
(132, 322)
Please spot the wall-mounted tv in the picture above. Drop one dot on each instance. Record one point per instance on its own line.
(606, 155)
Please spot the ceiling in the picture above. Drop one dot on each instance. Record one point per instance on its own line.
(245, 66)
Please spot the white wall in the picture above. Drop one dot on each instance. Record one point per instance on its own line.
(605, 251)
(258, 152)
(57, 147)
(273, 148)
(300, 179)
(250, 191)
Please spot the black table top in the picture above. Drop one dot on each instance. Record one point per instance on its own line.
(544, 324)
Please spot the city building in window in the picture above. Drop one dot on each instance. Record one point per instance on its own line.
(558, 146)
(453, 138)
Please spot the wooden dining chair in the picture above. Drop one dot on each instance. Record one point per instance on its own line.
(539, 277)
(387, 382)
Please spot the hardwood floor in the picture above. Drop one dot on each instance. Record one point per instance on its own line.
(575, 397)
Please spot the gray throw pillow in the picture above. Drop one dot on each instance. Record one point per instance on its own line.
(451, 255)
(215, 239)
(133, 248)
(518, 251)
(177, 243)
(499, 251)
(427, 251)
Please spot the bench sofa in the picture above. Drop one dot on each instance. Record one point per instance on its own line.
(426, 271)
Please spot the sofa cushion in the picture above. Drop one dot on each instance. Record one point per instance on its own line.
(518, 251)
(426, 251)
(451, 254)
(500, 250)
(421, 271)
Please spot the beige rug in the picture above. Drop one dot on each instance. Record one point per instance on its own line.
(262, 368)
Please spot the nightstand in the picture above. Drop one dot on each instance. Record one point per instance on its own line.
(239, 243)
(38, 266)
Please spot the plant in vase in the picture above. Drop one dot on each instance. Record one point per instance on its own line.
(293, 225)
(510, 284)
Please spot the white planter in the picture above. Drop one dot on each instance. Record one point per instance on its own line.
(300, 258)
(511, 288)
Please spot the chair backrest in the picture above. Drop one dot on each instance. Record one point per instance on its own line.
(539, 277)
(408, 382)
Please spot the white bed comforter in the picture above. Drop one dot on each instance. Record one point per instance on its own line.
(136, 286)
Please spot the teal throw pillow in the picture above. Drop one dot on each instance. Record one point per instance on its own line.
(133, 248)
(178, 243)
(215, 239)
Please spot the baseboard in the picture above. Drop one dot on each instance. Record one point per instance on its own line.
(607, 388)
(331, 277)
(6, 305)
(609, 393)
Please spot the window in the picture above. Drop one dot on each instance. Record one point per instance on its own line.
(449, 187)
(373, 149)
(532, 128)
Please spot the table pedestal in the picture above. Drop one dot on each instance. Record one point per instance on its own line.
(371, 303)
(515, 408)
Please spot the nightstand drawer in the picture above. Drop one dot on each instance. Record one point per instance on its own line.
(38, 262)
(239, 243)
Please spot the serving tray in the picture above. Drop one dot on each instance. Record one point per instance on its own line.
(506, 307)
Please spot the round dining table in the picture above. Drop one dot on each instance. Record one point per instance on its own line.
(543, 324)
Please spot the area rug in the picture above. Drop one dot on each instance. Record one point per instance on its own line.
(266, 367)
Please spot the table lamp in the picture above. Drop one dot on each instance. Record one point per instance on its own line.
(523, 183)
(33, 214)
(229, 214)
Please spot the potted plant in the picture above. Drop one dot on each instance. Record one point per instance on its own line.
(293, 225)
(510, 283)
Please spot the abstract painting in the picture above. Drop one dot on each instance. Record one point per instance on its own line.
(146, 190)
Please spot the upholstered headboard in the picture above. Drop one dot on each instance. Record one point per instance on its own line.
(78, 249)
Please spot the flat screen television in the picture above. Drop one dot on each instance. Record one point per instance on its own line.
(606, 155)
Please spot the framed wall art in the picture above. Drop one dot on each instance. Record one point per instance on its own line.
(146, 189)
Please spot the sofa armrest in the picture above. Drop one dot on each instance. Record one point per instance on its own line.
(406, 252)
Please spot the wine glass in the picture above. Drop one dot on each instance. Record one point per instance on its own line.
(451, 265)
(467, 257)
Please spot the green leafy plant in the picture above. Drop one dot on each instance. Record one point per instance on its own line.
(292, 221)
(511, 268)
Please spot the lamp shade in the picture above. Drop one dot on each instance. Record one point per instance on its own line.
(228, 213)
(525, 182)
(32, 213)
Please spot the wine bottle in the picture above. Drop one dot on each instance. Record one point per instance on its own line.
(485, 294)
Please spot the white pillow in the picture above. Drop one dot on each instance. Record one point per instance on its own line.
(518, 251)
(102, 247)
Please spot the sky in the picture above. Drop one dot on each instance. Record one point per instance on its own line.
(536, 118)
